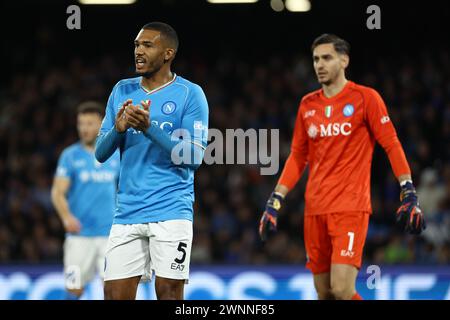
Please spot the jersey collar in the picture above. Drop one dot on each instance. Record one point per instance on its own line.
(160, 87)
(344, 90)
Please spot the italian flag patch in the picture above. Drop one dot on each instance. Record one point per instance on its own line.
(328, 110)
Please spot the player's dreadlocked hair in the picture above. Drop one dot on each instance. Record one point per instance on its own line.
(167, 33)
(340, 45)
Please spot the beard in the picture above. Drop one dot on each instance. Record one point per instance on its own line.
(329, 80)
(326, 82)
(150, 71)
(146, 74)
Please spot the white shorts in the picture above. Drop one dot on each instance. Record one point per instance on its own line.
(141, 249)
(83, 256)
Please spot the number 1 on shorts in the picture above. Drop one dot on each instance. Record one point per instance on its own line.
(351, 235)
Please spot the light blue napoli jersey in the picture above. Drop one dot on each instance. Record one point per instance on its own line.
(93, 187)
(151, 186)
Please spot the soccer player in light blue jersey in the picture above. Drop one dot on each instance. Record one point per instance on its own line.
(84, 194)
(159, 122)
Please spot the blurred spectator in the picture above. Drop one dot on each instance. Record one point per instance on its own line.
(397, 252)
(431, 192)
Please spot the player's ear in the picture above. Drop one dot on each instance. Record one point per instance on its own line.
(169, 55)
(345, 59)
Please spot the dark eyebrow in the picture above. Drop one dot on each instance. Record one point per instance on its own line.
(144, 42)
(323, 56)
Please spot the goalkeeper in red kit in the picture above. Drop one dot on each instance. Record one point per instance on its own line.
(335, 134)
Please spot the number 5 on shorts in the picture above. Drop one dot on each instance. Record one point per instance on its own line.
(181, 247)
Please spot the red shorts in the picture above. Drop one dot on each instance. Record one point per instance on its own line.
(335, 238)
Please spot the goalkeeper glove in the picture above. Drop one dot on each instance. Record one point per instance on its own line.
(268, 220)
(409, 215)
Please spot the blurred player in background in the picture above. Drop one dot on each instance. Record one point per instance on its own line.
(335, 133)
(152, 228)
(83, 194)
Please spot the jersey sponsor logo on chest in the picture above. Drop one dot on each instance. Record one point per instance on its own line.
(165, 125)
(96, 176)
(79, 163)
(329, 130)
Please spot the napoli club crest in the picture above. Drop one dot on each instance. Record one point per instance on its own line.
(169, 107)
(348, 110)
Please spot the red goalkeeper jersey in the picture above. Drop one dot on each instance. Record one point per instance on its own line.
(336, 138)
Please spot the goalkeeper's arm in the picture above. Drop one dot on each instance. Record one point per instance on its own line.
(409, 215)
(292, 172)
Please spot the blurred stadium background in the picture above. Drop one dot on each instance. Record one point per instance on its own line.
(254, 64)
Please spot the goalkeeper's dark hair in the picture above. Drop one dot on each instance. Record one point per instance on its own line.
(91, 107)
(340, 45)
(167, 33)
